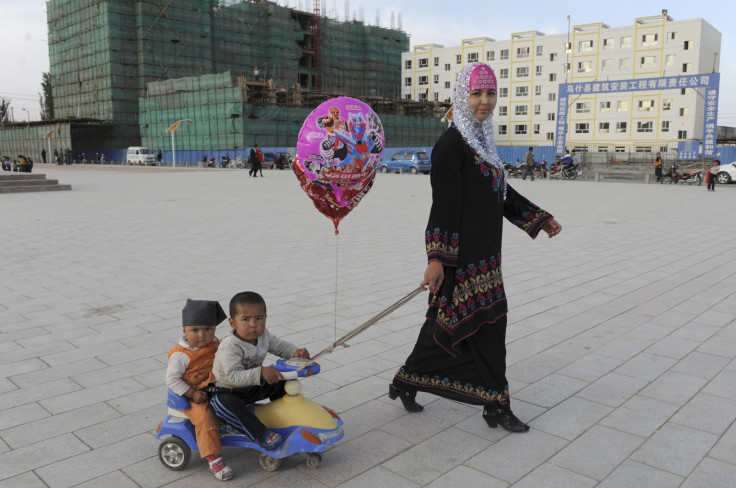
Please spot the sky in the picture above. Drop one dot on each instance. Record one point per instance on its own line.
(24, 50)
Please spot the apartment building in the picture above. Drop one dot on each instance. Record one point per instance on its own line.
(530, 66)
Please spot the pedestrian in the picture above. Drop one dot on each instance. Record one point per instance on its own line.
(529, 164)
(710, 178)
(259, 154)
(544, 168)
(658, 167)
(43, 155)
(460, 353)
(159, 157)
(253, 160)
(57, 158)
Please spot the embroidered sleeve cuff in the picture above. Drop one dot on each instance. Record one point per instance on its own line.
(442, 246)
(533, 225)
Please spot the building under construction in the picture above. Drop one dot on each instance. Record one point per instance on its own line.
(241, 71)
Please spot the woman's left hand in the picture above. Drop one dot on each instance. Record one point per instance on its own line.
(552, 228)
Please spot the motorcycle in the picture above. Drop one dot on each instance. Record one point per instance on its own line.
(513, 171)
(695, 178)
(674, 175)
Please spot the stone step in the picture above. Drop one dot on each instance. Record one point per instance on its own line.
(23, 189)
(7, 175)
(28, 182)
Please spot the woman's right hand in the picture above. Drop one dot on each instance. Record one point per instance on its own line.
(433, 276)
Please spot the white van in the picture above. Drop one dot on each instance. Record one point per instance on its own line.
(141, 156)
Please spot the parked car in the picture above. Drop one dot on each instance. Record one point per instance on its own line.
(413, 162)
(140, 156)
(726, 173)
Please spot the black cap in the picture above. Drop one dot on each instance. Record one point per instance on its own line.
(202, 312)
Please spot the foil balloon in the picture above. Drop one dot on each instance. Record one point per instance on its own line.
(338, 150)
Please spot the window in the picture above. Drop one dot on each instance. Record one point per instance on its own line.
(602, 149)
(536, 128)
(503, 92)
(435, 96)
(538, 90)
(537, 109)
(522, 91)
(424, 80)
(472, 57)
(550, 136)
(407, 81)
(672, 35)
(687, 45)
(552, 97)
(648, 60)
(490, 55)
(607, 64)
(436, 79)
(643, 149)
(624, 63)
(667, 104)
(682, 92)
(520, 129)
(683, 112)
(422, 96)
(408, 96)
(436, 61)
(459, 59)
(504, 54)
(423, 63)
(605, 106)
(687, 67)
(585, 46)
(502, 129)
(646, 105)
(669, 60)
(665, 126)
(503, 111)
(582, 128)
(553, 77)
(650, 39)
(584, 66)
(447, 84)
(539, 50)
(553, 56)
(603, 127)
(522, 72)
(608, 43)
(551, 116)
(447, 67)
(626, 42)
(538, 70)
(582, 108)
(503, 73)
(619, 149)
(620, 127)
(682, 134)
(622, 106)
(522, 110)
(567, 67)
(568, 47)
(522, 52)
(644, 126)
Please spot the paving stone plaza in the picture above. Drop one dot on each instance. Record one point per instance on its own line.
(621, 337)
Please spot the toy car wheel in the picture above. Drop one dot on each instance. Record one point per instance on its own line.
(268, 463)
(313, 460)
(174, 453)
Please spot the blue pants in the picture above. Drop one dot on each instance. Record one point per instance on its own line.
(232, 407)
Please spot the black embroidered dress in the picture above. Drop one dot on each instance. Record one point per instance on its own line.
(461, 349)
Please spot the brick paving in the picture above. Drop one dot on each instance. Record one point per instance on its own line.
(621, 338)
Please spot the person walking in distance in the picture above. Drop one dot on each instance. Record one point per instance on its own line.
(529, 164)
(658, 167)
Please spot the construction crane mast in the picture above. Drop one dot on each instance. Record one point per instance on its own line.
(317, 46)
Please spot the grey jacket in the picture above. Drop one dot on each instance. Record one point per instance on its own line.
(238, 363)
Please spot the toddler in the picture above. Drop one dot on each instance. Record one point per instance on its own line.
(238, 364)
(190, 369)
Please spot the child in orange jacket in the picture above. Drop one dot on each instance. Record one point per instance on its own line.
(190, 369)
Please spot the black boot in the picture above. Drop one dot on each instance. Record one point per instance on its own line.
(407, 398)
(496, 414)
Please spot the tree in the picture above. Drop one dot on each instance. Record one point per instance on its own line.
(4, 109)
(47, 98)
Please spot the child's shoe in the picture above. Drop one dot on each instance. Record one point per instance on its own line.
(218, 467)
(271, 440)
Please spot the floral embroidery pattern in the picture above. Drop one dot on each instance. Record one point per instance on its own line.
(487, 169)
(463, 391)
(446, 245)
(477, 287)
(532, 220)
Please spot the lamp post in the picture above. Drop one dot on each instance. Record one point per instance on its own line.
(172, 128)
(28, 114)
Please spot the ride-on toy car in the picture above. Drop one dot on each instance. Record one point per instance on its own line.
(307, 427)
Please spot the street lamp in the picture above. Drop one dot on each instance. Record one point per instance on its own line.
(27, 113)
(172, 129)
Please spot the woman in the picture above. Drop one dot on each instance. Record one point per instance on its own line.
(461, 353)
(658, 167)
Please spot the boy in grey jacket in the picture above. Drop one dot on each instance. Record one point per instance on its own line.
(239, 365)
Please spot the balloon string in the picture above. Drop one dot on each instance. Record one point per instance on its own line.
(337, 253)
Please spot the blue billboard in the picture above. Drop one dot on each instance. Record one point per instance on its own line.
(710, 82)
